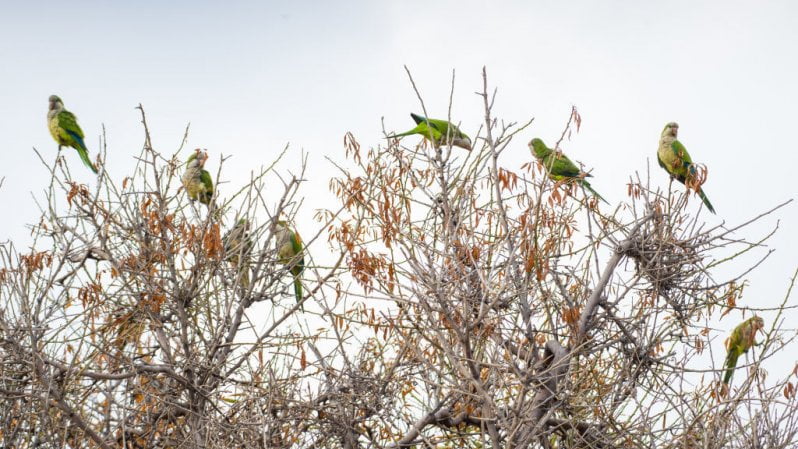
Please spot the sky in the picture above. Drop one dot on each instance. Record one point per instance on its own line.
(252, 76)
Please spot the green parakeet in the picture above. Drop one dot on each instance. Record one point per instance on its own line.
(65, 130)
(197, 180)
(237, 248)
(439, 132)
(289, 251)
(559, 167)
(674, 158)
(741, 340)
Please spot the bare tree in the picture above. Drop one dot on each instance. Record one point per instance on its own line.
(515, 312)
(127, 326)
(459, 303)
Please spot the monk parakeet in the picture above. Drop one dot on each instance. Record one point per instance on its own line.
(674, 158)
(741, 340)
(197, 180)
(65, 130)
(289, 251)
(559, 167)
(439, 132)
(238, 246)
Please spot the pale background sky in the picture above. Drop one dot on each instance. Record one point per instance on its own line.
(251, 76)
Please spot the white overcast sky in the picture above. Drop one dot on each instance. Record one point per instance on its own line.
(252, 76)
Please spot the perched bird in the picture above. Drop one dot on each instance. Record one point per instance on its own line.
(237, 248)
(197, 180)
(674, 158)
(65, 130)
(741, 340)
(559, 167)
(237, 242)
(289, 251)
(439, 132)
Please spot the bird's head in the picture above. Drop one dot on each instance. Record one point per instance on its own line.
(538, 148)
(55, 102)
(671, 129)
(462, 141)
(279, 225)
(196, 155)
(757, 323)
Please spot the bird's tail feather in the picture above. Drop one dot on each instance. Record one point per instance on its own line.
(407, 133)
(705, 200)
(586, 185)
(83, 152)
(731, 363)
(298, 291)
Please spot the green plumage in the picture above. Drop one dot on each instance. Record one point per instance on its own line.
(559, 167)
(439, 132)
(207, 187)
(742, 339)
(674, 158)
(289, 251)
(65, 130)
(196, 180)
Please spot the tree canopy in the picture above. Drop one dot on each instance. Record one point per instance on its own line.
(447, 301)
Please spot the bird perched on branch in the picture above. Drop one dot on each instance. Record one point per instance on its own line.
(674, 158)
(289, 251)
(559, 167)
(439, 132)
(743, 337)
(65, 130)
(196, 180)
(237, 248)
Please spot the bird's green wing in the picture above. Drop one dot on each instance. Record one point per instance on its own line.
(206, 194)
(434, 132)
(681, 152)
(68, 122)
(207, 181)
(443, 127)
(447, 128)
(296, 247)
(429, 132)
(560, 167)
